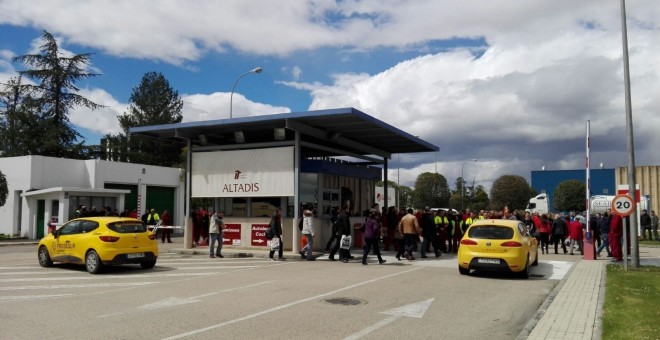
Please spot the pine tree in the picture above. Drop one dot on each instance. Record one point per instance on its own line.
(153, 102)
(55, 94)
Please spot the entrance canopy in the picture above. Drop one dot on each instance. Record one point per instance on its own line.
(323, 133)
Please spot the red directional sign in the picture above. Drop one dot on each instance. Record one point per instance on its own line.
(623, 205)
(258, 233)
(232, 234)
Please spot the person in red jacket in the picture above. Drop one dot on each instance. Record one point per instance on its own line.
(616, 233)
(575, 233)
(544, 233)
(166, 221)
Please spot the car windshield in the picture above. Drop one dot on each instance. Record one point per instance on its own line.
(127, 227)
(492, 232)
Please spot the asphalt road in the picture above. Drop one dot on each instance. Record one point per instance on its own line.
(195, 297)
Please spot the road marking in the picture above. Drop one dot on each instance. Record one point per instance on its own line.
(175, 301)
(102, 277)
(217, 267)
(413, 310)
(559, 269)
(91, 285)
(287, 305)
(31, 297)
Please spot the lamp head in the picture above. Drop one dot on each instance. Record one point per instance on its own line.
(257, 70)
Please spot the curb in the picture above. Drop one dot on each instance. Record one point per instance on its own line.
(529, 327)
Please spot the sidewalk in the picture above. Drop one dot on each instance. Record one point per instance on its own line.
(573, 310)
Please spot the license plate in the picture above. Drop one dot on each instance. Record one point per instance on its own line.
(134, 255)
(489, 261)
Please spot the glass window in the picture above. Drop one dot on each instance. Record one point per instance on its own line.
(491, 232)
(264, 206)
(71, 228)
(127, 227)
(88, 226)
(238, 207)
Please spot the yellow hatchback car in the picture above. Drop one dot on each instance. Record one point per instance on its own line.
(498, 245)
(100, 241)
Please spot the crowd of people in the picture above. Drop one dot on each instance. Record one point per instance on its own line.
(439, 230)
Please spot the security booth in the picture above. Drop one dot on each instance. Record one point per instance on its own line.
(314, 160)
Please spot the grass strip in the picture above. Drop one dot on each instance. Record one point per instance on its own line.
(632, 303)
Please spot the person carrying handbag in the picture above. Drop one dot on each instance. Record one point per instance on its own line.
(276, 229)
(308, 232)
(344, 228)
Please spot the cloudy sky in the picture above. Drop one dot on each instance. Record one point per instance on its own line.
(510, 83)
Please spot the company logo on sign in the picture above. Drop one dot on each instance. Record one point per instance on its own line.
(241, 187)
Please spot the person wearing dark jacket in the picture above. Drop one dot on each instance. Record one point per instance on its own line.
(344, 227)
(371, 236)
(276, 228)
(429, 233)
(604, 228)
(645, 222)
(559, 231)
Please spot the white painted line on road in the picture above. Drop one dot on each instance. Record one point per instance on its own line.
(41, 272)
(175, 301)
(559, 269)
(102, 277)
(413, 310)
(217, 267)
(31, 297)
(11, 268)
(91, 285)
(290, 304)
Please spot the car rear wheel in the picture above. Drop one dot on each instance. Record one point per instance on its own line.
(525, 273)
(536, 259)
(93, 262)
(463, 271)
(44, 257)
(148, 264)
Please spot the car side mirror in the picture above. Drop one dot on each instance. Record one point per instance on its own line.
(56, 233)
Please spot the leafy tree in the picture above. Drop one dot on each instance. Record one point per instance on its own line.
(4, 190)
(405, 197)
(456, 200)
(153, 102)
(570, 195)
(19, 121)
(512, 191)
(431, 189)
(480, 199)
(468, 196)
(56, 94)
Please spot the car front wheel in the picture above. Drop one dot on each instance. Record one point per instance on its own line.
(44, 257)
(93, 262)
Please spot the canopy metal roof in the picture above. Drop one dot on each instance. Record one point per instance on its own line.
(323, 133)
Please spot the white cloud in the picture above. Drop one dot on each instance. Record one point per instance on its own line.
(296, 72)
(517, 103)
(198, 107)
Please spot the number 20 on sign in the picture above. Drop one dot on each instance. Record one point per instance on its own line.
(623, 205)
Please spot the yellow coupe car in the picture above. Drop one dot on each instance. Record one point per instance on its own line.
(498, 245)
(99, 241)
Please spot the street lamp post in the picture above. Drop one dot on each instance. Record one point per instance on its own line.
(463, 184)
(231, 97)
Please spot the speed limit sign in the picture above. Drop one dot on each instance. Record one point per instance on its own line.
(623, 205)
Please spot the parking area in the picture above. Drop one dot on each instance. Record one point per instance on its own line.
(194, 296)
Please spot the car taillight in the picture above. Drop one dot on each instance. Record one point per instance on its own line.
(511, 244)
(109, 238)
(468, 242)
(152, 236)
